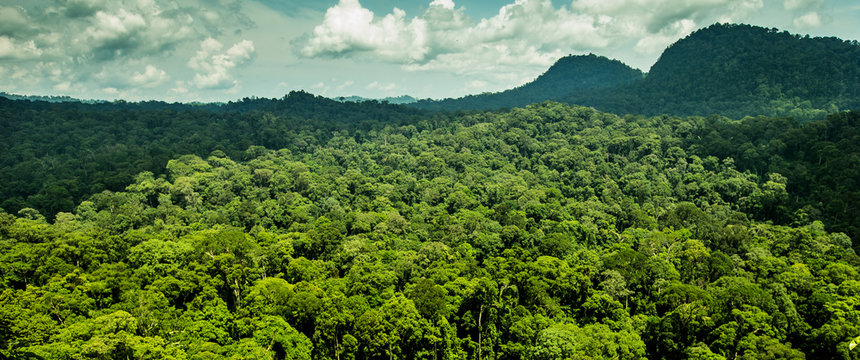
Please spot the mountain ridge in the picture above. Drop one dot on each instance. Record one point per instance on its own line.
(568, 74)
(734, 70)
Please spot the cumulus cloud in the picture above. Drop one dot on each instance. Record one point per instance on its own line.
(806, 13)
(12, 20)
(348, 27)
(127, 77)
(122, 33)
(524, 33)
(92, 32)
(180, 88)
(652, 17)
(213, 67)
(11, 49)
(125, 47)
(808, 20)
(385, 87)
(801, 4)
(149, 78)
(114, 33)
(83, 8)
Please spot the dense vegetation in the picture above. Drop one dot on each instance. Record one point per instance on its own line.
(727, 69)
(740, 70)
(304, 227)
(569, 76)
(549, 232)
(56, 155)
(820, 159)
(53, 156)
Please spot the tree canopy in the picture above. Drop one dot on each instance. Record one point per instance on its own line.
(545, 232)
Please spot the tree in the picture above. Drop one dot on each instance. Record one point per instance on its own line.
(596, 341)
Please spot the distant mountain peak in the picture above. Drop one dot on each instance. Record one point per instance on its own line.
(569, 74)
(729, 69)
(402, 99)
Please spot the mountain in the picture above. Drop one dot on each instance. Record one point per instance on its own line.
(741, 70)
(397, 100)
(728, 69)
(743, 61)
(573, 74)
(51, 99)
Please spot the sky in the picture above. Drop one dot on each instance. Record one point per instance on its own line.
(222, 50)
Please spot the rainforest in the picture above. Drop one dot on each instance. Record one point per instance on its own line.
(303, 227)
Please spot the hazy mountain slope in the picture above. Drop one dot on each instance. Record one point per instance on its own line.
(569, 75)
(396, 100)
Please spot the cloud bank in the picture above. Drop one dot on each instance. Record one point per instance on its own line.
(189, 50)
(115, 46)
(525, 32)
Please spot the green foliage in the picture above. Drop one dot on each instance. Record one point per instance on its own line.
(545, 232)
(54, 155)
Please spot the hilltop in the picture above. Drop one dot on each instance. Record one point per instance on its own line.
(573, 74)
(728, 69)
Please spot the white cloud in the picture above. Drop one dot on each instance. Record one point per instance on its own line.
(348, 27)
(93, 31)
(115, 31)
(497, 59)
(384, 87)
(477, 84)
(138, 30)
(792, 4)
(126, 45)
(321, 88)
(180, 88)
(345, 85)
(12, 20)
(82, 8)
(654, 44)
(652, 16)
(801, 5)
(11, 49)
(123, 77)
(149, 78)
(447, 4)
(213, 67)
(523, 36)
(63, 87)
(526, 33)
(809, 20)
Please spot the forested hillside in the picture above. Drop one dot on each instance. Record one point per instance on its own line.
(548, 232)
(570, 75)
(52, 156)
(726, 69)
(56, 155)
(741, 70)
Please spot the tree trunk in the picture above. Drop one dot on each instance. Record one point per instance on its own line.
(480, 316)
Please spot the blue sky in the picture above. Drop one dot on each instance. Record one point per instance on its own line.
(220, 50)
